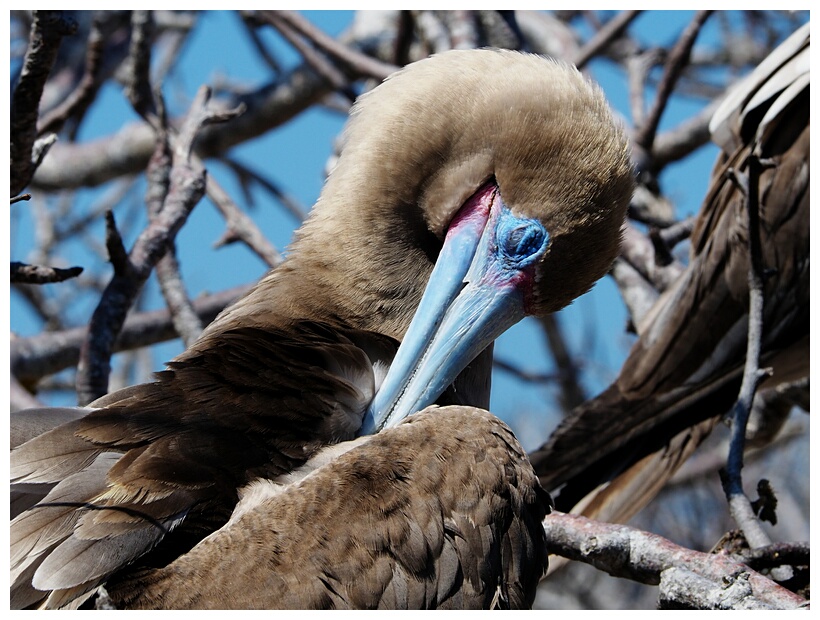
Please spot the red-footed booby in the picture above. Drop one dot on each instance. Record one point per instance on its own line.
(615, 452)
(474, 188)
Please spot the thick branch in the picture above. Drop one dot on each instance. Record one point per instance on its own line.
(44, 354)
(47, 30)
(640, 556)
(40, 274)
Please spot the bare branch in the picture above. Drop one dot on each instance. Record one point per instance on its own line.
(606, 35)
(76, 104)
(639, 252)
(47, 30)
(187, 186)
(138, 82)
(241, 225)
(638, 294)
(316, 60)
(731, 478)
(128, 151)
(677, 60)
(245, 174)
(20, 398)
(777, 554)
(361, 64)
(38, 356)
(39, 274)
(571, 392)
(632, 554)
(158, 174)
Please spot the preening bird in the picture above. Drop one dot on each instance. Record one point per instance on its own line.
(615, 452)
(474, 188)
(443, 511)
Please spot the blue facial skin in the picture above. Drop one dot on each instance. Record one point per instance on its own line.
(475, 293)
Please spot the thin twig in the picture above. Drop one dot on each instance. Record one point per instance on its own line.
(138, 82)
(777, 554)
(20, 198)
(187, 186)
(334, 76)
(248, 21)
(128, 151)
(731, 477)
(362, 64)
(638, 294)
(40, 274)
(638, 251)
(186, 322)
(572, 394)
(677, 60)
(241, 225)
(78, 102)
(523, 375)
(605, 36)
(291, 204)
(638, 68)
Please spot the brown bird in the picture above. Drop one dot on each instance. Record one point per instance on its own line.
(415, 504)
(474, 188)
(615, 452)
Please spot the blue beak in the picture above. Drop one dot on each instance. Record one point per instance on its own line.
(477, 290)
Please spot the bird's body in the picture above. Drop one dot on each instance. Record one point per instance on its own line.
(441, 548)
(503, 198)
(616, 451)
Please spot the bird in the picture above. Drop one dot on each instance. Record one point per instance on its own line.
(407, 550)
(612, 454)
(473, 188)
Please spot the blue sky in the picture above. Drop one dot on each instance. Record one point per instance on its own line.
(294, 156)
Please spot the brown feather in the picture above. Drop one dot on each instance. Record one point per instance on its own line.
(292, 366)
(417, 538)
(684, 371)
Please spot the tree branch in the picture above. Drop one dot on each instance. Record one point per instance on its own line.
(677, 60)
(604, 37)
(40, 274)
(187, 186)
(47, 30)
(640, 556)
(37, 356)
(731, 477)
(78, 102)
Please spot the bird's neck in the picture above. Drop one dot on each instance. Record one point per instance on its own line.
(351, 281)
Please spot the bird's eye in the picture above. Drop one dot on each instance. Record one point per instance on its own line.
(521, 240)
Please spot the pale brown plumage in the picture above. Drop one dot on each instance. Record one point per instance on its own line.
(290, 367)
(428, 494)
(684, 371)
